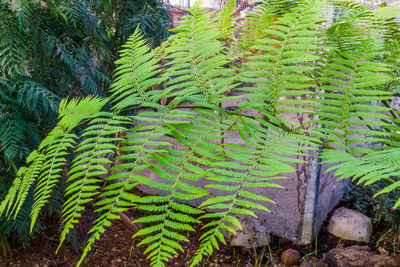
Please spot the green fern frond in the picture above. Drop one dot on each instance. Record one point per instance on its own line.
(74, 111)
(285, 64)
(357, 13)
(19, 227)
(23, 11)
(357, 22)
(255, 25)
(18, 192)
(281, 75)
(28, 177)
(12, 138)
(179, 169)
(369, 169)
(98, 142)
(55, 148)
(139, 143)
(46, 164)
(49, 50)
(350, 85)
(226, 23)
(33, 95)
(136, 73)
(12, 133)
(8, 201)
(196, 61)
(259, 164)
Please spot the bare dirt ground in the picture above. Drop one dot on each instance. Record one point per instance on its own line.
(116, 248)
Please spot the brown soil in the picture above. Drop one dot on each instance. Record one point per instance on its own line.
(116, 248)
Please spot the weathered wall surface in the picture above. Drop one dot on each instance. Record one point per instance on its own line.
(300, 208)
(330, 192)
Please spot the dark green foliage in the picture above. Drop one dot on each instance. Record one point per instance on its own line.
(151, 16)
(379, 209)
(120, 19)
(50, 50)
(23, 105)
(283, 64)
(18, 228)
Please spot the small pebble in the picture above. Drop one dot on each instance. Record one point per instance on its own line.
(382, 251)
(291, 257)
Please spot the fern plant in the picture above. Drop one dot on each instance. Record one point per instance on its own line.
(366, 166)
(284, 66)
(50, 50)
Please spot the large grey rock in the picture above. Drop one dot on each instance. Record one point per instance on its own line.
(255, 234)
(358, 256)
(350, 225)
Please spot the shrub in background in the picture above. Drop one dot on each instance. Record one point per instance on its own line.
(379, 208)
(50, 50)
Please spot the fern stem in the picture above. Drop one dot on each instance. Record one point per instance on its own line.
(392, 113)
(134, 74)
